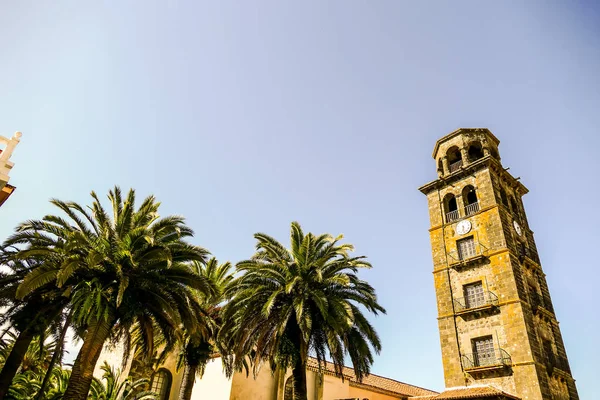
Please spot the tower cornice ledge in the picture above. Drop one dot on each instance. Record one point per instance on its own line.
(486, 161)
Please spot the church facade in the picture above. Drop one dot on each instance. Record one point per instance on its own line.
(322, 384)
(499, 335)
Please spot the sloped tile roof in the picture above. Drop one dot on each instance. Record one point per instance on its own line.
(472, 392)
(5, 192)
(376, 382)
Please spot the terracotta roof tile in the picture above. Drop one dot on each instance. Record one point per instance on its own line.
(473, 392)
(373, 381)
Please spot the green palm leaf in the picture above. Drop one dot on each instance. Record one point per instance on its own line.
(287, 304)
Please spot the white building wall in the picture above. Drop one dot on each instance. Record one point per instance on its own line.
(214, 384)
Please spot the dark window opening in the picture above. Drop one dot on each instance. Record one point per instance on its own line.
(514, 207)
(470, 195)
(535, 299)
(451, 208)
(475, 152)
(503, 197)
(523, 249)
(470, 200)
(549, 353)
(455, 160)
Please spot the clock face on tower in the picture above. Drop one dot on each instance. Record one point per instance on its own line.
(463, 227)
(517, 228)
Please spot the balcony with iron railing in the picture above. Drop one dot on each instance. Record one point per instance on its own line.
(495, 359)
(474, 303)
(467, 256)
(471, 209)
(452, 216)
(455, 166)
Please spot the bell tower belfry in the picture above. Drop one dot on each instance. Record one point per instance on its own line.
(495, 315)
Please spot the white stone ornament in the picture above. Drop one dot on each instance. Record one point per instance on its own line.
(463, 227)
(517, 228)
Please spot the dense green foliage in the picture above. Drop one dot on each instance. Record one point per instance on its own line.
(120, 271)
(129, 276)
(112, 387)
(197, 350)
(27, 382)
(289, 303)
(36, 317)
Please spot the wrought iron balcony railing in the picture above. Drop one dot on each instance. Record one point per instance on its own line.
(496, 358)
(472, 209)
(474, 302)
(452, 216)
(467, 255)
(455, 166)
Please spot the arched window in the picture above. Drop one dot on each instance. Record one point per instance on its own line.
(288, 393)
(513, 206)
(451, 208)
(475, 151)
(161, 384)
(470, 201)
(455, 160)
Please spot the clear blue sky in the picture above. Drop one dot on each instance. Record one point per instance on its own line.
(244, 116)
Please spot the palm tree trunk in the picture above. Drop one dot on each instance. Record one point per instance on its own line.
(57, 352)
(12, 363)
(83, 369)
(299, 374)
(187, 383)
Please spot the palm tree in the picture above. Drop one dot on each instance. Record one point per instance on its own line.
(23, 386)
(58, 384)
(131, 269)
(308, 298)
(56, 356)
(199, 349)
(115, 388)
(36, 360)
(30, 317)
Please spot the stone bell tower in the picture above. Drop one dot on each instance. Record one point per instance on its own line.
(7, 146)
(496, 320)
